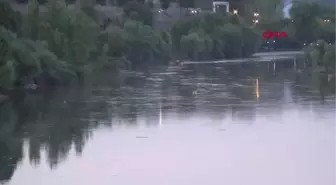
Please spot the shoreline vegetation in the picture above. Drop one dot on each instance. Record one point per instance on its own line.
(61, 45)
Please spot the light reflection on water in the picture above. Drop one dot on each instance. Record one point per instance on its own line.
(180, 129)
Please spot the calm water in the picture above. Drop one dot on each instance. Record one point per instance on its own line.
(203, 125)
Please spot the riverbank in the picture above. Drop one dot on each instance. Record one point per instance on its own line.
(257, 57)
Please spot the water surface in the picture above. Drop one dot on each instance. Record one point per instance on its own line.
(201, 125)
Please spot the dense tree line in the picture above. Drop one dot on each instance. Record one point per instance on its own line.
(314, 25)
(62, 43)
(65, 43)
(214, 36)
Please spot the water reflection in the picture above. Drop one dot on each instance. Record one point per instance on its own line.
(257, 88)
(10, 143)
(58, 122)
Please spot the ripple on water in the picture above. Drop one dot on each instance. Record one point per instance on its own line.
(157, 132)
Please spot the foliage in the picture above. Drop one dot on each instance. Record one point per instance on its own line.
(139, 12)
(61, 43)
(315, 22)
(320, 54)
(165, 4)
(56, 45)
(269, 11)
(326, 30)
(195, 44)
(8, 17)
(122, 3)
(87, 6)
(304, 18)
(214, 36)
(309, 22)
(27, 60)
(186, 3)
(144, 44)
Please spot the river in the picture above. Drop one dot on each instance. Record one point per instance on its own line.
(192, 125)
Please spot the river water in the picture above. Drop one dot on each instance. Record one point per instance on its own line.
(192, 125)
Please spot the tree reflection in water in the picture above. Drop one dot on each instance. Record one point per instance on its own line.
(56, 122)
(10, 142)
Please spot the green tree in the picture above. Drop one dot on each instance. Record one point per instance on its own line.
(186, 3)
(229, 40)
(53, 46)
(326, 29)
(268, 10)
(31, 22)
(87, 6)
(70, 1)
(124, 2)
(27, 60)
(139, 11)
(8, 17)
(321, 56)
(329, 58)
(304, 18)
(225, 37)
(165, 4)
(144, 44)
(192, 45)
